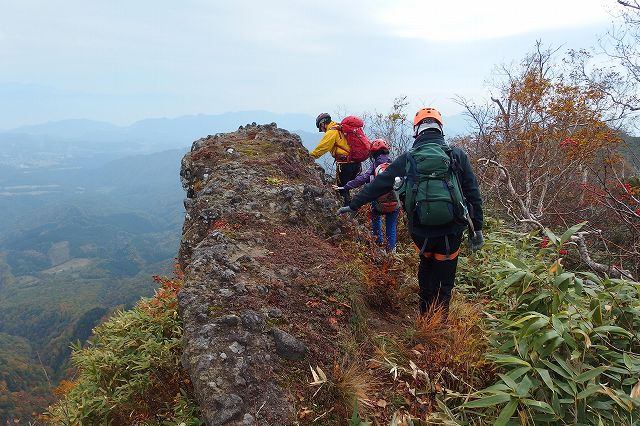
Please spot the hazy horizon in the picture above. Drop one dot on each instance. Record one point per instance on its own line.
(122, 63)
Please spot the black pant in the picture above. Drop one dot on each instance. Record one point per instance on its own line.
(437, 271)
(344, 173)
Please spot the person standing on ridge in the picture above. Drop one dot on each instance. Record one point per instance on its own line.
(441, 198)
(336, 143)
(387, 204)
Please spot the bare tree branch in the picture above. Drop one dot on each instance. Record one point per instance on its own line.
(627, 4)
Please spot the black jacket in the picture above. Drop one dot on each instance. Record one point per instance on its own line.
(383, 183)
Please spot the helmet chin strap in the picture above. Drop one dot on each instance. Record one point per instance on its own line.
(424, 126)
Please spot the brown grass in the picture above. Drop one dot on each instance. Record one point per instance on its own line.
(453, 348)
(431, 327)
(352, 382)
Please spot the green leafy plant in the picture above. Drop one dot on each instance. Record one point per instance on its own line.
(355, 419)
(130, 373)
(566, 343)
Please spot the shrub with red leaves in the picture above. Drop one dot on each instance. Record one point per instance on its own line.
(568, 142)
(544, 243)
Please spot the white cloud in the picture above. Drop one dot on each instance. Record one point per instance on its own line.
(466, 20)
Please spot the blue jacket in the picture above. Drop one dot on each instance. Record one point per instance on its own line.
(365, 177)
(385, 180)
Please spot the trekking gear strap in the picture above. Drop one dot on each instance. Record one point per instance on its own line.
(441, 257)
(447, 247)
(472, 228)
(455, 167)
(424, 247)
(412, 176)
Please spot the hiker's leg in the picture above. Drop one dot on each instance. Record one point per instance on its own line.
(444, 271)
(354, 170)
(344, 173)
(340, 181)
(428, 291)
(391, 224)
(346, 197)
(376, 225)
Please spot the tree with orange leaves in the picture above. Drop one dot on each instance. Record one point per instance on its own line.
(547, 151)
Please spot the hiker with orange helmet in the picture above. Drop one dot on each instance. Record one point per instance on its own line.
(387, 204)
(335, 142)
(441, 198)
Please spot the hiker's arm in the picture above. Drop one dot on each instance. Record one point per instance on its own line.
(325, 144)
(471, 191)
(361, 179)
(382, 184)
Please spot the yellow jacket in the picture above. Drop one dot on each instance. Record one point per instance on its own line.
(333, 141)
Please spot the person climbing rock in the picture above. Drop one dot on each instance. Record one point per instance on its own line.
(386, 205)
(441, 198)
(335, 142)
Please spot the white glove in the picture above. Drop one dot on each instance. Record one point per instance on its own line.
(345, 209)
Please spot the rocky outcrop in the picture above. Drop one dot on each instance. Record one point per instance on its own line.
(256, 205)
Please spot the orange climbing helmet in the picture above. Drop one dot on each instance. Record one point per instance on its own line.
(427, 113)
(378, 145)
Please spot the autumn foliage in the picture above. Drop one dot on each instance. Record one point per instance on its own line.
(548, 157)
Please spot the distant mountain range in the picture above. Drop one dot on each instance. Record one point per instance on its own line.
(154, 134)
(158, 134)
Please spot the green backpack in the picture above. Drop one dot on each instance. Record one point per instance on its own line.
(431, 191)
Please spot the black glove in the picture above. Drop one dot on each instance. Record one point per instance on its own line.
(476, 241)
(345, 209)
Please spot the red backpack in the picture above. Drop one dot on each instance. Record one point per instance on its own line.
(386, 203)
(359, 145)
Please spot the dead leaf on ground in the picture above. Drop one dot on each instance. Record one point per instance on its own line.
(304, 412)
(313, 303)
(332, 299)
(373, 365)
(554, 268)
(319, 376)
(382, 403)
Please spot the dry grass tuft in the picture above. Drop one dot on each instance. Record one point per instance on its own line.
(431, 327)
(386, 346)
(452, 346)
(352, 382)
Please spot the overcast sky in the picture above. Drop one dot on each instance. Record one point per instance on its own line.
(121, 61)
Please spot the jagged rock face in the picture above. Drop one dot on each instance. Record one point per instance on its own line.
(255, 201)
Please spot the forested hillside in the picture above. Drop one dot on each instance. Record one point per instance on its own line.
(69, 255)
(88, 218)
(631, 151)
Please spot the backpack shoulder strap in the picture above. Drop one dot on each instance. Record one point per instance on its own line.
(412, 166)
(455, 164)
(457, 170)
(412, 187)
(337, 127)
